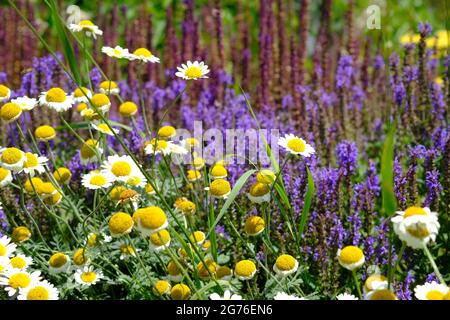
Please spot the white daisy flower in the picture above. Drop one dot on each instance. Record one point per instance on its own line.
(296, 145)
(4, 265)
(15, 280)
(227, 295)
(7, 248)
(34, 163)
(193, 70)
(109, 88)
(103, 128)
(138, 180)
(96, 180)
(285, 296)
(20, 262)
(88, 27)
(12, 159)
(116, 52)
(82, 95)
(88, 276)
(56, 99)
(431, 291)
(120, 168)
(25, 103)
(5, 93)
(346, 296)
(416, 226)
(158, 146)
(143, 55)
(176, 149)
(5, 177)
(42, 290)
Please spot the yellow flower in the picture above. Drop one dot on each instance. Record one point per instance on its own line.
(32, 184)
(12, 159)
(86, 26)
(128, 109)
(224, 273)
(60, 262)
(266, 176)
(144, 55)
(62, 175)
(120, 224)
(180, 292)
(161, 287)
(109, 87)
(160, 240)
(285, 265)
(80, 257)
(101, 102)
(116, 191)
(21, 234)
(198, 237)
(209, 267)
(218, 172)
(5, 93)
(193, 175)
(149, 220)
(375, 282)
(351, 257)
(410, 38)
(254, 225)
(192, 70)
(383, 294)
(245, 269)
(174, 272)
(167, 132)
(220, 188)
(259, 193)
(10, 112)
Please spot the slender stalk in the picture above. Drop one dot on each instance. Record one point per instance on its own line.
(433, 264)
(358, 289)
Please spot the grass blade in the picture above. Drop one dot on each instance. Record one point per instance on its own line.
(306, 205)
(387, 174)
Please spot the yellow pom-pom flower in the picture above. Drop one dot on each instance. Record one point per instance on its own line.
(254, 225)
(10, 112)
(351, 257)
(21, 234)
(128, 109)
(120, 224)
(245, 270)
(149, 220)
(285, 265)
(180, 292)
(44, 133)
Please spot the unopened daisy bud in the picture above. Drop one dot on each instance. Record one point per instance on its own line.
(198, 237)
(245, 270)
(120, 224)
(62, 175)
(149, 220)
(5, 177)
(198, 163)
(167, 132)
(128, 109)
(46, 190)
(218, 172)
(220, 188)
(254, 225)
(88, 151)
(54, 200)
(160, 240)
(129, 195)
(383, 294)
(21, 234)
(109, 88)
(92, 239)
(183, 253)
(32, 184)
(10, 112)
(44, 133)
(5, 93)
(126, 251)
(12, 159)
(161, 288)
(149, 189)
(193, 175)
(224, 273)
(59, 262)
(174, 273)
(285, 265)
(81, 106)
(101, 102)
(375, 282)
(206, 269)
(80, 257)
(266, 176)
(351, 257)
(187, 207)
(82, 95)
(180, 292)
(259, 193)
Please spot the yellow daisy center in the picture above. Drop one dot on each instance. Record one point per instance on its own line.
(197, 237)
(166, 132)
(121, 169)
(143, 52)
(21, 234)
(447, 296)
(19, 280)
(3, 174)
(56, 95)
(351, 254)
(265, 176)
(82, 106)
(193, 72)
(98, 181)
(54, 199)
(150, 217)
(87, 150)
(12, 155)
(116, 191)
(79, 257)
(92, 240)
(159, 144)
(31, 185)
(414, 211)
(193, 175)
(172, 269)
(88, 277)
(46, 188)
(86, 23)
(187, 207)
(59, 259)
(203, 268)
(128, 108)
(223, 271)
(296, 145)
(259, 189)
(120, 223)
(104, 128)
(31, 161)
(384, 294)
(100, 100)
(4, 91)
(418, 230)
(373, 278)
(245, 268)
(149, 188)
(206, 245)
(62, 175)
(180, 292)
(80, 92)
(435, 295)
(126, 249)
(254, 225)
(285, 262)
(219, 171)
(18, 262)
(219, 187)
(38, 293)
(10, 111)
(161, 287)
(2, 250)
(108, 85)
(192, 142)
(198, 163)
(45, 133)
(160, 238)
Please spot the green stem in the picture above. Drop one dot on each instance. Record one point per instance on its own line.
(358, 289)
(433, 264)
(393, 270)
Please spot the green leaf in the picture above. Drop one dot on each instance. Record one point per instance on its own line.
(307, 204)
(67, 47)
(387, 175)
(233, 194)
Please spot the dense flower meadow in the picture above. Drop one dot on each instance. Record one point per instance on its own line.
(106, 192)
